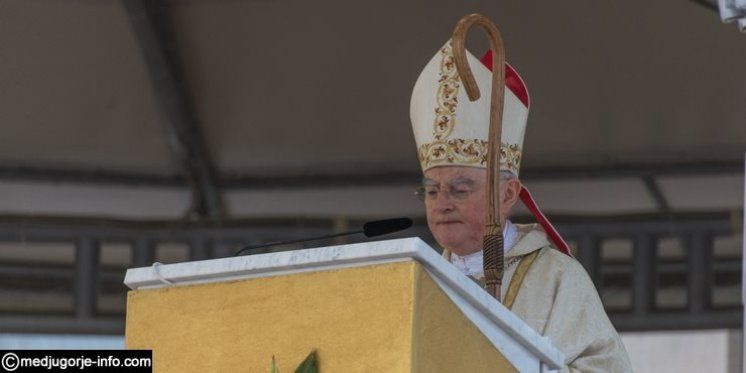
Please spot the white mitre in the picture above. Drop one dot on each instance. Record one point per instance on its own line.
(450, 130)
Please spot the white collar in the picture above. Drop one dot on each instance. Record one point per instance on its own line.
(471, 264)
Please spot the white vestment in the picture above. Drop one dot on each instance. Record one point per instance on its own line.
(558, 300)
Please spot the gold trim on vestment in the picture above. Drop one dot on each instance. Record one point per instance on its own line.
(517, 279)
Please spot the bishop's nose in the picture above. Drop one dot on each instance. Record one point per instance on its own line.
(443, 203)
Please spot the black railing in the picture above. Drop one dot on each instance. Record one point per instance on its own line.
(653, 272)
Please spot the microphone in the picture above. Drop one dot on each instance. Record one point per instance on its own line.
(370, 229)
(381, 227)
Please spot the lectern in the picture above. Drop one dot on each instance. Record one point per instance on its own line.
(386, 306)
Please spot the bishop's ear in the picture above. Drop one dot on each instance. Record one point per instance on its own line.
(510, 191)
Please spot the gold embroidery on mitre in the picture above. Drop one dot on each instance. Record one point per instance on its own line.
(467, 152)
(447, 95)
(510, 157)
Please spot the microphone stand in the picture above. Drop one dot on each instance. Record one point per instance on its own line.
(275, 243)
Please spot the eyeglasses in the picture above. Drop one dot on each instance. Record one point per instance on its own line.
(457, 192)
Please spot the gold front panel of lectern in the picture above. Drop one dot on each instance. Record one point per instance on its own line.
(378, 318)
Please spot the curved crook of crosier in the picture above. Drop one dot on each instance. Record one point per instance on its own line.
(496, 101)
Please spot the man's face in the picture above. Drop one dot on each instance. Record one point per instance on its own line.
(456, 206)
